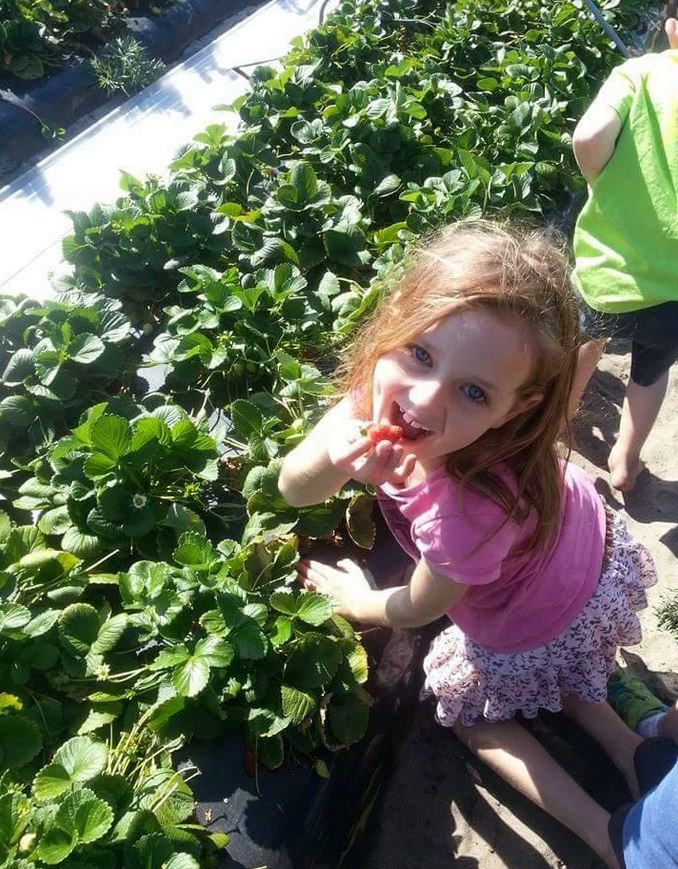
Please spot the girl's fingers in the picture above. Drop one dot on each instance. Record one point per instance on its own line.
(405, 468)
(374, 463)
(348, 565)
(393, 461)
(355, 449)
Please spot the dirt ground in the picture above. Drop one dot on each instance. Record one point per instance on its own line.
(444, 809)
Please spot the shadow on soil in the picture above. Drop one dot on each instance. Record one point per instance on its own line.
(441, 801)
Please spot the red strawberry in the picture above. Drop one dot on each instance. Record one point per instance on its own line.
(384, 432)
(249, 761)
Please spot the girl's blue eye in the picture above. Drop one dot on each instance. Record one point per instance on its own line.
(420, 354)
(474, 393)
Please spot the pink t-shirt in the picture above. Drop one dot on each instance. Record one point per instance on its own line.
(514, 602)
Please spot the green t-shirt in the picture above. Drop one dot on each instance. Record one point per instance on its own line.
(626, 238)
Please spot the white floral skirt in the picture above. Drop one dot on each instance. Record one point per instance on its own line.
(470, 681)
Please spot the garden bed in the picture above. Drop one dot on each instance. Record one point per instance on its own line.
(157, 594)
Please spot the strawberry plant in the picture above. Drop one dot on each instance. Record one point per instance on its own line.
(228, 344)
(119, 484)
(57, 360)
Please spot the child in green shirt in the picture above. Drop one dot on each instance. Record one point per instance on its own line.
(626, 239)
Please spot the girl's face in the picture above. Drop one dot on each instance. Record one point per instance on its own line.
(453, 382)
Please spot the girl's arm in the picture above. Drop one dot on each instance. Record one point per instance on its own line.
(427, 597)
(335, 452)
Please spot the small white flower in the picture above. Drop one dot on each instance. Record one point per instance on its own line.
(102, 671)
(26, 842)
(139, 501)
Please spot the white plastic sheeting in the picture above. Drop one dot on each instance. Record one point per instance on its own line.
(140, 137)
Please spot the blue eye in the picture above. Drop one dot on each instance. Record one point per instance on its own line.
(474, 393)
(420, 354)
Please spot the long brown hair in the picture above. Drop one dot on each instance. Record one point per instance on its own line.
(506, 269)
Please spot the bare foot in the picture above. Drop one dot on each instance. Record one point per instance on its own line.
(624, 470)
(668, 726)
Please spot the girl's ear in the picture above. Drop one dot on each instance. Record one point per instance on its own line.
(523, 404)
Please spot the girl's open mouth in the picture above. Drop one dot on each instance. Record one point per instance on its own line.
(412, 431)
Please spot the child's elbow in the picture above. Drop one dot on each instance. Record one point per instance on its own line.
(584, 145)
(286, 488)
(289, 488)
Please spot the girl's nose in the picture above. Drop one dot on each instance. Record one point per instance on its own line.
(425, 393)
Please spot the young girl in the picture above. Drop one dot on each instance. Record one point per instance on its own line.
(472, 356)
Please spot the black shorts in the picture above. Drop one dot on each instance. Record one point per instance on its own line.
(653, 333)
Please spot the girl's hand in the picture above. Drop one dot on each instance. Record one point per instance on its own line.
(354, 454)
(346, 583)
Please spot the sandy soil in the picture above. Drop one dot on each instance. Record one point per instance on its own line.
(443, 808)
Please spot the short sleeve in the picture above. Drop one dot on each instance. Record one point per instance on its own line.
(469, 549)
(618, 89)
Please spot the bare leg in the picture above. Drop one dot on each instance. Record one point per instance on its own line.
(587, 362)
(639, 411)
(524, 763)
(668, 726)
(601, 722)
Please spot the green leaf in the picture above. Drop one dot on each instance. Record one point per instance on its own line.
(85, 348)
(109, 634)
(181, 519)
(181, 861)
(86, 814)
(20, 740)
(98, 464)
(357, 661)
(19, 367)
(17, 410)
(313, 664)
(81, 544)
(191, 677)
(55, 845)
(284, 601)
(5, 527)
(79, 628)
(217, 652)
(50, 782)
(55, 521)
(304, 179)
(314, 609)
(147, 429)
(246, 417)
(271, 751)
(348, 715)
(13, 820)
(14, 616)
(359, 522)
(296, 704)
(111, 435)
(387, 185)
(282, 631)
(195, 551)
(42, 623)
(82, 758)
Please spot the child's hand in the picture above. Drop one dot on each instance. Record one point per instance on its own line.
(346, 583)
(356, 454)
